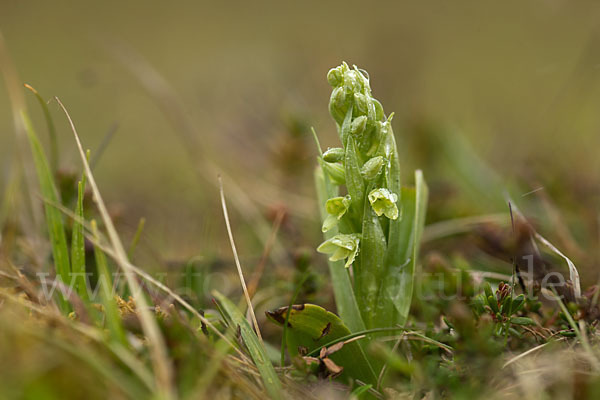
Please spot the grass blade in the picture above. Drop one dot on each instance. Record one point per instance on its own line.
(90, 358)
(78, 245)
(111, 313)
(54, 156)
(136, 238)
(255, 347)
(54, 218)
(237, 260)
(17, 102)
(161, 363)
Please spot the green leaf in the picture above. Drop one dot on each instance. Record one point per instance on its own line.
(488, 290)
(405, 234)
(518, 303)
(104, 369)
(292, 301)
(255, 347)
(51, 129)
(311, 326)
(475, 179)
(342, 286)
(397, 244)
(505, 306)
(54, 218)
(78, 245)
(491, 300)
(369, 274)
(359, 391)
(112, 318)
(136, 238)
(522, 321)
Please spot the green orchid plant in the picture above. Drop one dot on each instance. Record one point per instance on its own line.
(372, 225)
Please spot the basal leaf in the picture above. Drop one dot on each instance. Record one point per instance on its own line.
(369, 275)
(311, 326)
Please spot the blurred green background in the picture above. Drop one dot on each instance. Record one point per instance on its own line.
(518, 79)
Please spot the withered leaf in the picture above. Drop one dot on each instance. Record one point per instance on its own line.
(332, 367)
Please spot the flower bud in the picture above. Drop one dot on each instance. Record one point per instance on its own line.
(358, 125)
(339, 104)
(385, 137)
(335, 77)
(361, 104)
(372, 168)
(334, 155)
(353, 81)
(336, 172)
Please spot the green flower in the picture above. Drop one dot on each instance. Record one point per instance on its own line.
(340, 247)
(384, 203)
(336, 208)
